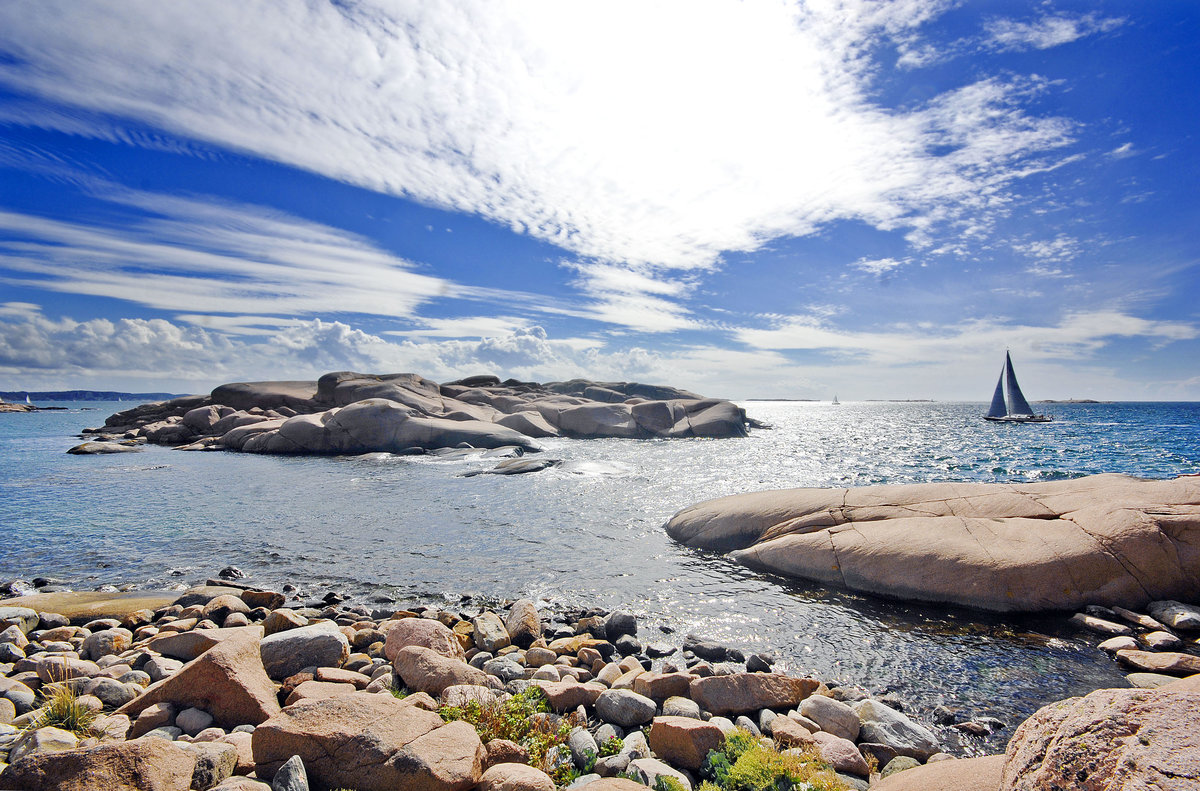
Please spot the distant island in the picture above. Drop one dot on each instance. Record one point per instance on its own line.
(1072, 401)
(82, 395)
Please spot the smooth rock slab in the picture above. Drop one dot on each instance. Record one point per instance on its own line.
(1106, 539)
(1169, 662)
(523, 624)
(81, 607)
(371, 742)
(961, 774)
(1114, 738)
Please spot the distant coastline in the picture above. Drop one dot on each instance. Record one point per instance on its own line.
(82, 395)
(1071, 401)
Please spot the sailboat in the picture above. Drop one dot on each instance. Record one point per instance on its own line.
(836, 402)
(1014, 408)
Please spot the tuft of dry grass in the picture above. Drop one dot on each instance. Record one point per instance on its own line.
(63, 709)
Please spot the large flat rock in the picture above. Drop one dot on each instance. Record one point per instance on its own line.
(1102, 539)
(84, 606)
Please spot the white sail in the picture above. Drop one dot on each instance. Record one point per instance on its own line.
(1008, 402)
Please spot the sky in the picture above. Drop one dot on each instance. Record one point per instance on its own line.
(750, 199)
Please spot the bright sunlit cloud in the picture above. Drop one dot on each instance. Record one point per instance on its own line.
(756, 121)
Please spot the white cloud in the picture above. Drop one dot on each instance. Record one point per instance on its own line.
(878, 266)
(1061, 248)
(1123, 151)
(1075, 336)
(188, 255)
(576, 123)
(1048, 31)
(462, 327)
(133, 354)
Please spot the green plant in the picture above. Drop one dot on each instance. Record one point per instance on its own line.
(742, 763)
(667, 783)
(62, 709)
(523, 718)
(765, 769)
(612, 746)
(398, 693)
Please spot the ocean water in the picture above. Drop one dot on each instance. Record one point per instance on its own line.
(590, 533)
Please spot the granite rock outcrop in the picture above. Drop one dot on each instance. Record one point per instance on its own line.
(1102, 539)
(353, 413)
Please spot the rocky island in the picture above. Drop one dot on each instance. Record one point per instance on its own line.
(348, 412)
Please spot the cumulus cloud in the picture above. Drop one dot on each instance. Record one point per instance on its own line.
(38, 352)
(756, 122)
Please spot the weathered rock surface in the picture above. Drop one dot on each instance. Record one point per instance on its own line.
(1112, 738)
(742, 692)
(320, 644)
(1176, 614)
(1170, 662)
(885, 725)
(683, 741)
(423, 632)
(424, 670)
(227, 681)
(371, 742)
(348, 412)
(125, 766)
(1107, 539)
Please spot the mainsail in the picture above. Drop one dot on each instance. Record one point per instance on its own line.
(1017, 405)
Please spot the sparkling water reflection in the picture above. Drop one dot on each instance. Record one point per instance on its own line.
(591, 531)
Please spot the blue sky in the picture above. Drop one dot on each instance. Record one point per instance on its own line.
(749, 199)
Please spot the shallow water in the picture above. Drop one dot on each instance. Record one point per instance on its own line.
(591, 533)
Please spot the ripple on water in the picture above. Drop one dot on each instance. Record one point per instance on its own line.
(590, 531)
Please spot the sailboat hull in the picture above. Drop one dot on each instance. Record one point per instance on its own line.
(1019, 419)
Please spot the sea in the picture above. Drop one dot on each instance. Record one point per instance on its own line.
(385, 529)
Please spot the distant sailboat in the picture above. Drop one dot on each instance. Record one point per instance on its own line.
(836, 402)
(1014, 408)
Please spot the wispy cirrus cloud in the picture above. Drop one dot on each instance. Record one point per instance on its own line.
(226, 266)
(1048, 30)
(663, 158)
